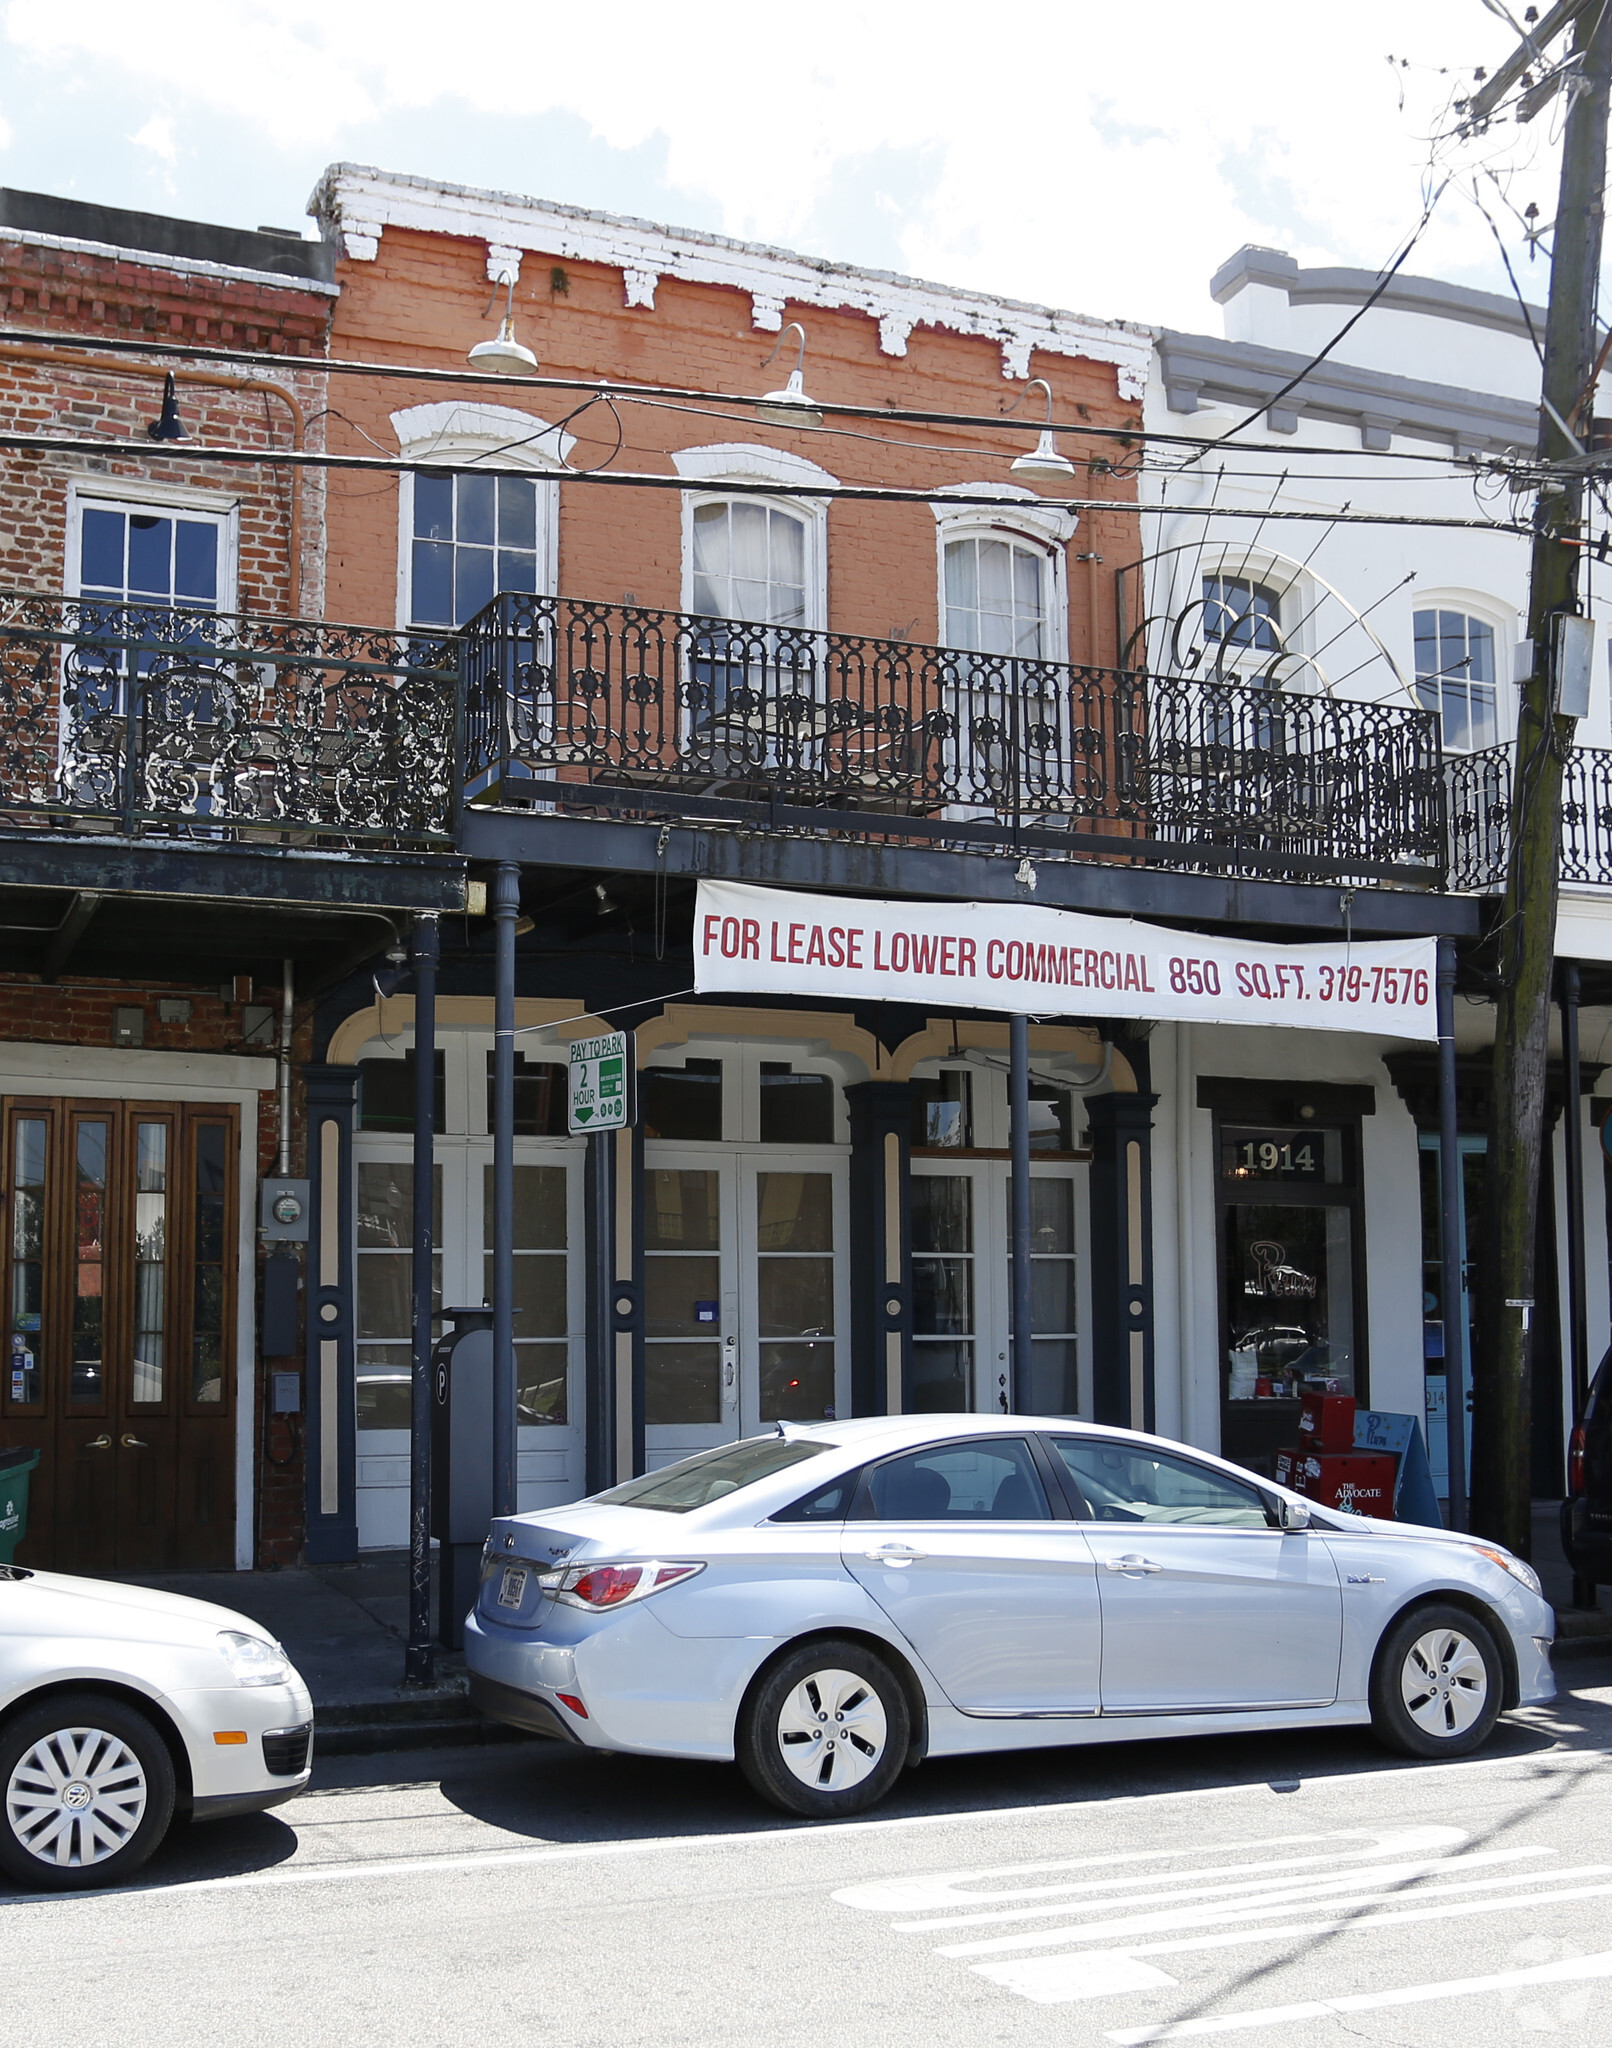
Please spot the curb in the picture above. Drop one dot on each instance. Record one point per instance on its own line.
(432, 1717)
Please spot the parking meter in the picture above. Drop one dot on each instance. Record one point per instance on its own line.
(461, 1463)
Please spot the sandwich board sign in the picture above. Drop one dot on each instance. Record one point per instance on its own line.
(603, 1073)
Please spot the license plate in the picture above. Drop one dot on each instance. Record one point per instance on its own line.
(512, 1588)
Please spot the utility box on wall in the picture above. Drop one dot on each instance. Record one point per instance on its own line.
(283, 1211)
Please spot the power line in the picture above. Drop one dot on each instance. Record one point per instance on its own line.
(189, 452)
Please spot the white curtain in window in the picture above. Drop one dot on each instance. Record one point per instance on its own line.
(749, 563)
(996, 597)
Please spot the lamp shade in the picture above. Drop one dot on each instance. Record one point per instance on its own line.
(1043, 459)
(504, 355)
(790, 407)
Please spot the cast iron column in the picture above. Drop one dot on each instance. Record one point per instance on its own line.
(506, 909)
(1019, 1135)
(419, 1658)
(1452, 1253)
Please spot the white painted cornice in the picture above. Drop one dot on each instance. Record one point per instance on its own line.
(1020, 507)
(355, 204)
(459, 426)
(747, 462)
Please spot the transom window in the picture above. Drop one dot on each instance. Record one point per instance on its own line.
(1238, 612)
(749, 562)
(473, 536)
(1455, 676)
(996, 597)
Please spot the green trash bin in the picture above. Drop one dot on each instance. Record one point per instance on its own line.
(15, 1468)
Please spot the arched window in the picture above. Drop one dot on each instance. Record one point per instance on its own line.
(1002, 587)
(748, 561)
(1455, 676)
(1239, 613)
(750, 557)
(463, 538)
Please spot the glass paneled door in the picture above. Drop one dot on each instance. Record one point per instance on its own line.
(122, 1253)
(746, 1294)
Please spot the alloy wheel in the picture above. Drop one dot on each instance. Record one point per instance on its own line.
(1444, 1682)
(832, 1730)
(76, 1797)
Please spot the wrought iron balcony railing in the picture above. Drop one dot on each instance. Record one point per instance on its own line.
(144, 718)
(1480, 817)
(607, 707)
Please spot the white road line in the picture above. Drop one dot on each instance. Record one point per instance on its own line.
(1274, 1900)
(1001, 1973)
(1573, 1971)
(916, 1895)
(1184, 1891)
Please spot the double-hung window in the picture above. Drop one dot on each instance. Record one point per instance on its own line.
(1455, 676)
(997, 598)
(473, 536)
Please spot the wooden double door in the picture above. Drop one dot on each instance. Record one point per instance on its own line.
(121, 1234)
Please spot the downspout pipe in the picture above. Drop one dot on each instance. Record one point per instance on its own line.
(287, 1003)
(1452, 1289)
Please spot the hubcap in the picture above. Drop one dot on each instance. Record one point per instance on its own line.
(832, 1730)
(1444, 1682)
(76, 1797)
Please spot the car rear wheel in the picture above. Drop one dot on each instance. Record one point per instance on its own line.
(87, 1786)
(826, 1731)
(1437, 1685)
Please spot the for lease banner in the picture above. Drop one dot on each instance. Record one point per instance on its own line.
(1011, 956)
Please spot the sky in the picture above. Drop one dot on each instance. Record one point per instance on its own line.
(1100, 157)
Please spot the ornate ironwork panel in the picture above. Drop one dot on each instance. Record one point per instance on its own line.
(870, 733)
(153, 719)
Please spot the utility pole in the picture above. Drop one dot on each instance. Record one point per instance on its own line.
(1527, 932)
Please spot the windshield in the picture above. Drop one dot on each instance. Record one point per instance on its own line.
(696, 1482)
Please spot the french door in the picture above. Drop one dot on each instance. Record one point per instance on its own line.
(120, 1294)
(746, 1293)
(962, 1282)
(550, 1300)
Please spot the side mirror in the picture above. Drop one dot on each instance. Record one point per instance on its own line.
(1295, 1514)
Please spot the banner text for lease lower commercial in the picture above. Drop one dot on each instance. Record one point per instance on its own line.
(1012, 956)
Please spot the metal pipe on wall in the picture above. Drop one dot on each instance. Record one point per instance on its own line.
(506, 909)
(287, 1000)
(419, 1657)
(1451, 1259)
(1019, 1134)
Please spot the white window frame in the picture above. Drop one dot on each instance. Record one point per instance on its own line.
(135, 495)
(467, 435)
(1294, 619)
(1504, 624)
(1030, 524)
(751, 463)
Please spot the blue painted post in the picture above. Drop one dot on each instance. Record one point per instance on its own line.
(419, 1658)
(506, 909)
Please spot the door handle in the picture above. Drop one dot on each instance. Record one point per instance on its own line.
(894, 1553)
(99, 1443)
(135, 1443)
(1131, 1563)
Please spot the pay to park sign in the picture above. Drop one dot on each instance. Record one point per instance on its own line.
(1018, 957)
(602, 1074)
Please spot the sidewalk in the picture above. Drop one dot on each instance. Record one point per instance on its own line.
(344, 1627)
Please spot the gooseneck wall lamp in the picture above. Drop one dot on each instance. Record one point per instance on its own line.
(790, 407)
(504, 355)
(1043, 459)
(167, 426)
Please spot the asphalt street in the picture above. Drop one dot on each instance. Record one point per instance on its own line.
(1287, 1890)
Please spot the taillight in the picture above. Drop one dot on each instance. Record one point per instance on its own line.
(598, 1586)
(1575, 1461)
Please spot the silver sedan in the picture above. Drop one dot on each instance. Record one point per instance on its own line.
(830, 1604)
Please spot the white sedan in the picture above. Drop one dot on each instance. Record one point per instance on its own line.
(832, 1603)
(121, 1707)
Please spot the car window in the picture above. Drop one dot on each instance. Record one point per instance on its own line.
(830, 1503)
(994, 1481)
(1126, 1484)
(709, 1475)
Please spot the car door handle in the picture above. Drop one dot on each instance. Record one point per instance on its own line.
(1131, 1563)
(99, 1443)
(894, 1553)
(135, 1443)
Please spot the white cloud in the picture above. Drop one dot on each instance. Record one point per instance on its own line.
(158, 136)
(1094, 156)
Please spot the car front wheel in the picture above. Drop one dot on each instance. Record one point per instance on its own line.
(826, 1732)
(1437, 1686)
(88, 1791)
